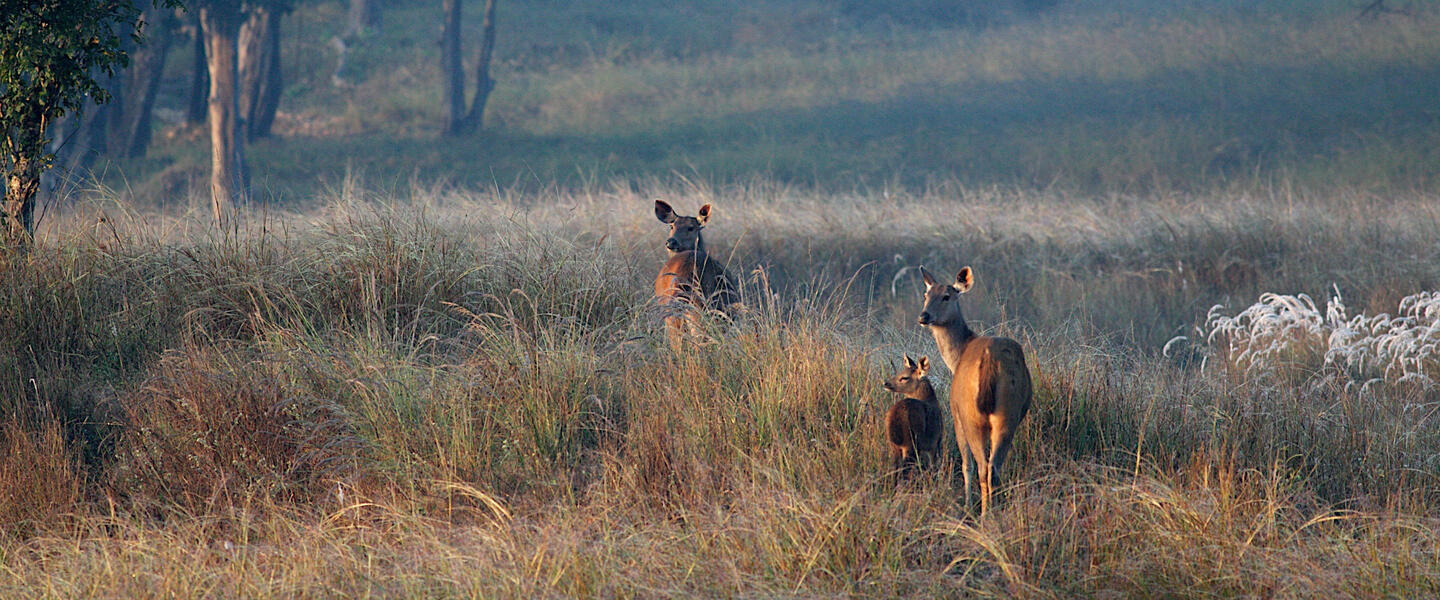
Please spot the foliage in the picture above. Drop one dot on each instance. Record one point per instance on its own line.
(51, 54)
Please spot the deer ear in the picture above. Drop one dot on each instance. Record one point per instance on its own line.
(924, 366)
(925, 275)
(909, 364)
(664, 212)
(964, 279)
(704, 214)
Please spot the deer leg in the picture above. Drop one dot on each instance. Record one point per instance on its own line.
(1000, 439)
(674, 332)
(975, 438)
(967, 461)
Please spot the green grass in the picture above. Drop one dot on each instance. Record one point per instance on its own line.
(1092, 98)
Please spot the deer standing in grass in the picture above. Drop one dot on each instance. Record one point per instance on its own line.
(990, 392)
(690, 276)
(913, 424)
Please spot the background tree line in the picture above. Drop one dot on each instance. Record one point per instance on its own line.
(94, 94)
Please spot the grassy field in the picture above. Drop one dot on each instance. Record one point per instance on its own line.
(433, 369)
(464, 394)
(1097, 97)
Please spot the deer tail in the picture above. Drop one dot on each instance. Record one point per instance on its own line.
(985, 392)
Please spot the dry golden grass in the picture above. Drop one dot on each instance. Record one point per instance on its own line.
(465, 394)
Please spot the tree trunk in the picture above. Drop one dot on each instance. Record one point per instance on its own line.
(475, 119)
(251, 61)
(260, 76)
(21, 184)
(196, 108)
(227, 162)
(453, 68)
(364, 14)
(146, 68)
(115, 112)
(25, 145)
(267, 99)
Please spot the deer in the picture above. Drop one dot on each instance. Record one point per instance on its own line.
(690, 276)
(913, 424)
(990, 386)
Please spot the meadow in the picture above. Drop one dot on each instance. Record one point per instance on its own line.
(1099, 96)
(417, 380)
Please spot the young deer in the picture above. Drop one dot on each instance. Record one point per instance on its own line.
(690, 276)
(990, 391)
(913, 423)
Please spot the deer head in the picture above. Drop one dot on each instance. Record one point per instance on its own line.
(908, 381)
(684, 231)
(942, 302)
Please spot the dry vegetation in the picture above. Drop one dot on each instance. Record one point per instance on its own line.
(462, 394)
(458, 386)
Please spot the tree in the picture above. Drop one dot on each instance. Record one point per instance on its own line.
(364, 14)
(459, 120)
(144, 82)
(261, 80)
(195, 107)
(51, 52)
(220, 26)
(453, 67)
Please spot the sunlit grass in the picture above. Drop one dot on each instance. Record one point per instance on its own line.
(453, 393)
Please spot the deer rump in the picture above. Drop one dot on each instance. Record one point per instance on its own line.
(993, 377)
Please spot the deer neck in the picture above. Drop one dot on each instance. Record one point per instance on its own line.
(698, 252)
(926, 393)
(951, 340)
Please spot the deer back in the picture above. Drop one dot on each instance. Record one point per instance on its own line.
(991, 377)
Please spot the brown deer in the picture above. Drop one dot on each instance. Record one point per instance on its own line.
(913, 424)
(990, 390)
(690, 276)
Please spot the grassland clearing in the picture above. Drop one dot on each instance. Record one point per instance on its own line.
(396, 379)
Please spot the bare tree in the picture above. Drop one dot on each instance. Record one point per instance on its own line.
(459, 120)
(146, 67)
(484, 84)
(196, 107)
(452, 67)
(259, 67)
(220, 21)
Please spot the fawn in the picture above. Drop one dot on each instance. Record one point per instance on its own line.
(913, 424)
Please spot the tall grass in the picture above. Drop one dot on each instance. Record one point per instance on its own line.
(470, 394)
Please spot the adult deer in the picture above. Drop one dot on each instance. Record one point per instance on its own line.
(690, 276)
(990, 392)
(913, 425)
